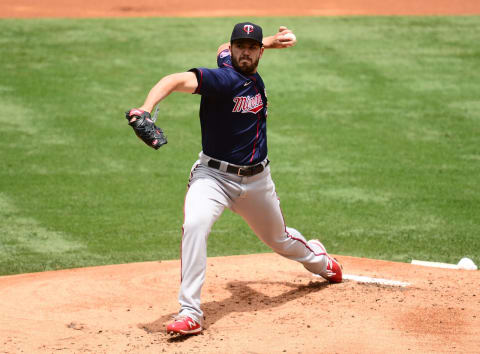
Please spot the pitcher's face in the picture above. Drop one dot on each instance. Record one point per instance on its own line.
(246, 54)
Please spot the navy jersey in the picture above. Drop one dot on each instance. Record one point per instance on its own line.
(233, 112)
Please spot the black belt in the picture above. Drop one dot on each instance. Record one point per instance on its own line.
(240, 171)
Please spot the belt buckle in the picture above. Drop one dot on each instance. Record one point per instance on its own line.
(239, 172)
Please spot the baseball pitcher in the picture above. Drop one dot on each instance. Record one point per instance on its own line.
(233, 170)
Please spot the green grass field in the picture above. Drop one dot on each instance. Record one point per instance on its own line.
(374, 126)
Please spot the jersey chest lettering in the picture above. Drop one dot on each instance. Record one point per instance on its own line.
(248, 104)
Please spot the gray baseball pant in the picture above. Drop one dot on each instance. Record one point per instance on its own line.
(254, 198)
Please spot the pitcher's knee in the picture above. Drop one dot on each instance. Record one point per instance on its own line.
(196, 225)
(290, 246)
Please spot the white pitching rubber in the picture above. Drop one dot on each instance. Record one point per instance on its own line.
(380, 281)
(370, 280)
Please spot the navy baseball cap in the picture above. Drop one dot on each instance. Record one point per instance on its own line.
(247, 30)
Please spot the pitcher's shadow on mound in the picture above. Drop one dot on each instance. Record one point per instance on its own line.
(243, 299)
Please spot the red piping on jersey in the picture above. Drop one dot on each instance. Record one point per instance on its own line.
(258, 126)
(256, 138)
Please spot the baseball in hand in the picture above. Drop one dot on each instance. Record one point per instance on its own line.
(290, 36)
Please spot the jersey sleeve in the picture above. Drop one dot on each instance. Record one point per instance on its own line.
(224, 58)
(215, 81)
(212, 81)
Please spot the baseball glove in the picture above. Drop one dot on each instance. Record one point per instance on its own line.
(145, 128)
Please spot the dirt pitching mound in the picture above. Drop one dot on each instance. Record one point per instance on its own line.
(253, 304)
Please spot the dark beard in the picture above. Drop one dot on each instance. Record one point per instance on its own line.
(247, 69)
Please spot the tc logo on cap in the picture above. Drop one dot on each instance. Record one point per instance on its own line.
(248, 28)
